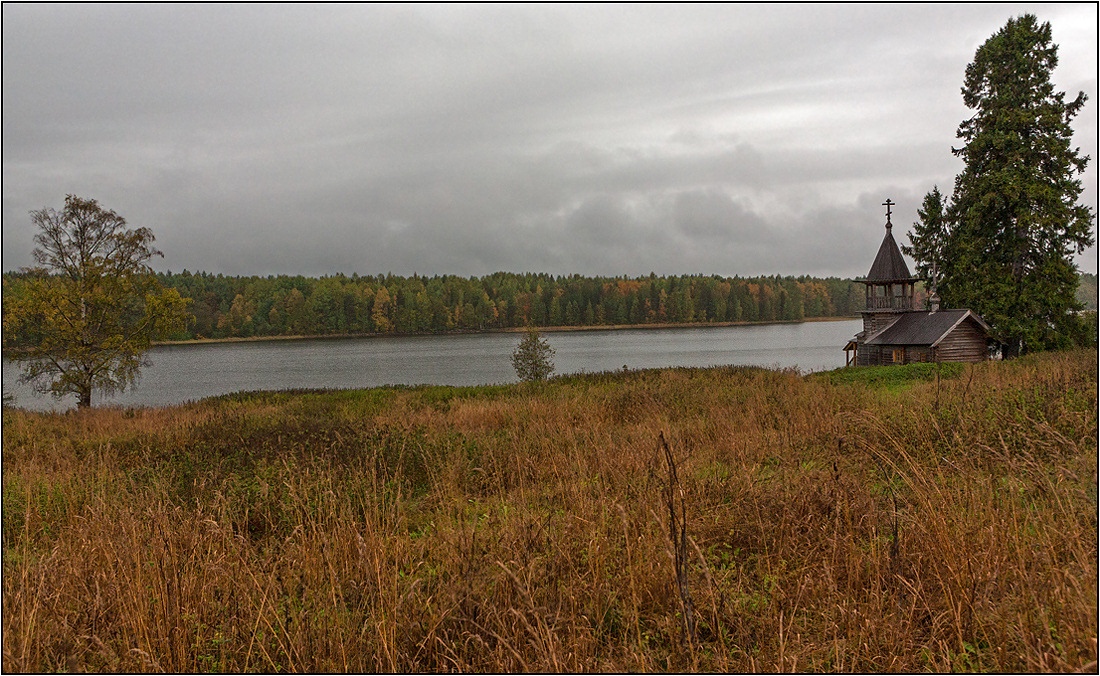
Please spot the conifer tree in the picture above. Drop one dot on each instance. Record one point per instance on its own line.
(927, 238)
(1014, 218)
(533, 358)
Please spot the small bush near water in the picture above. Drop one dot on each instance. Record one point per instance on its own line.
(533, 358)
(833, 522)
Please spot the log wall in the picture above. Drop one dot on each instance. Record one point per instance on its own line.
(965, 343)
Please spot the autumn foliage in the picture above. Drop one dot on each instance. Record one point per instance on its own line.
(228, 307)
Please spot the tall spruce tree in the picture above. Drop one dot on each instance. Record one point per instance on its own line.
(926, 240)
(1014, 220)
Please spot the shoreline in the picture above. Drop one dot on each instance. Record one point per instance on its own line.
(515, 329)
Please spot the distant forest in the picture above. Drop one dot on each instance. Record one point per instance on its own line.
(1087, 291)
(271, 306)
(240, 307)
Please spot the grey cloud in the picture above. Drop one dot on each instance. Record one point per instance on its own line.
(607, 139)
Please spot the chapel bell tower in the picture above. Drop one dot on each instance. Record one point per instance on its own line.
(889, 286)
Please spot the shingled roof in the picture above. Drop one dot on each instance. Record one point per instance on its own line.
(889, 266)
(924, 328)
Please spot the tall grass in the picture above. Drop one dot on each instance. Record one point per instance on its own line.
(916, 521)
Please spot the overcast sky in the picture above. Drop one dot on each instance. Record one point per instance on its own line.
(599, 140)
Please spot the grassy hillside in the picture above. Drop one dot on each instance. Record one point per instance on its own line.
(719, 519)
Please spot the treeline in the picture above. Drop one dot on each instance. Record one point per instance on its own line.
(270, 306)
(232, 307)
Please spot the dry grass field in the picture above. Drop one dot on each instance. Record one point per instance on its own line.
(724, 519)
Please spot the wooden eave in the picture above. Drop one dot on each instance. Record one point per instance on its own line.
(924, 328)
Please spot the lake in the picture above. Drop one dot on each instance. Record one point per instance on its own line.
(181, 373)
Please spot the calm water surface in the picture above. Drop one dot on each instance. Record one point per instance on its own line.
(182, 373)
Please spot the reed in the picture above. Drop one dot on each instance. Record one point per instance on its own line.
(851, 521)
